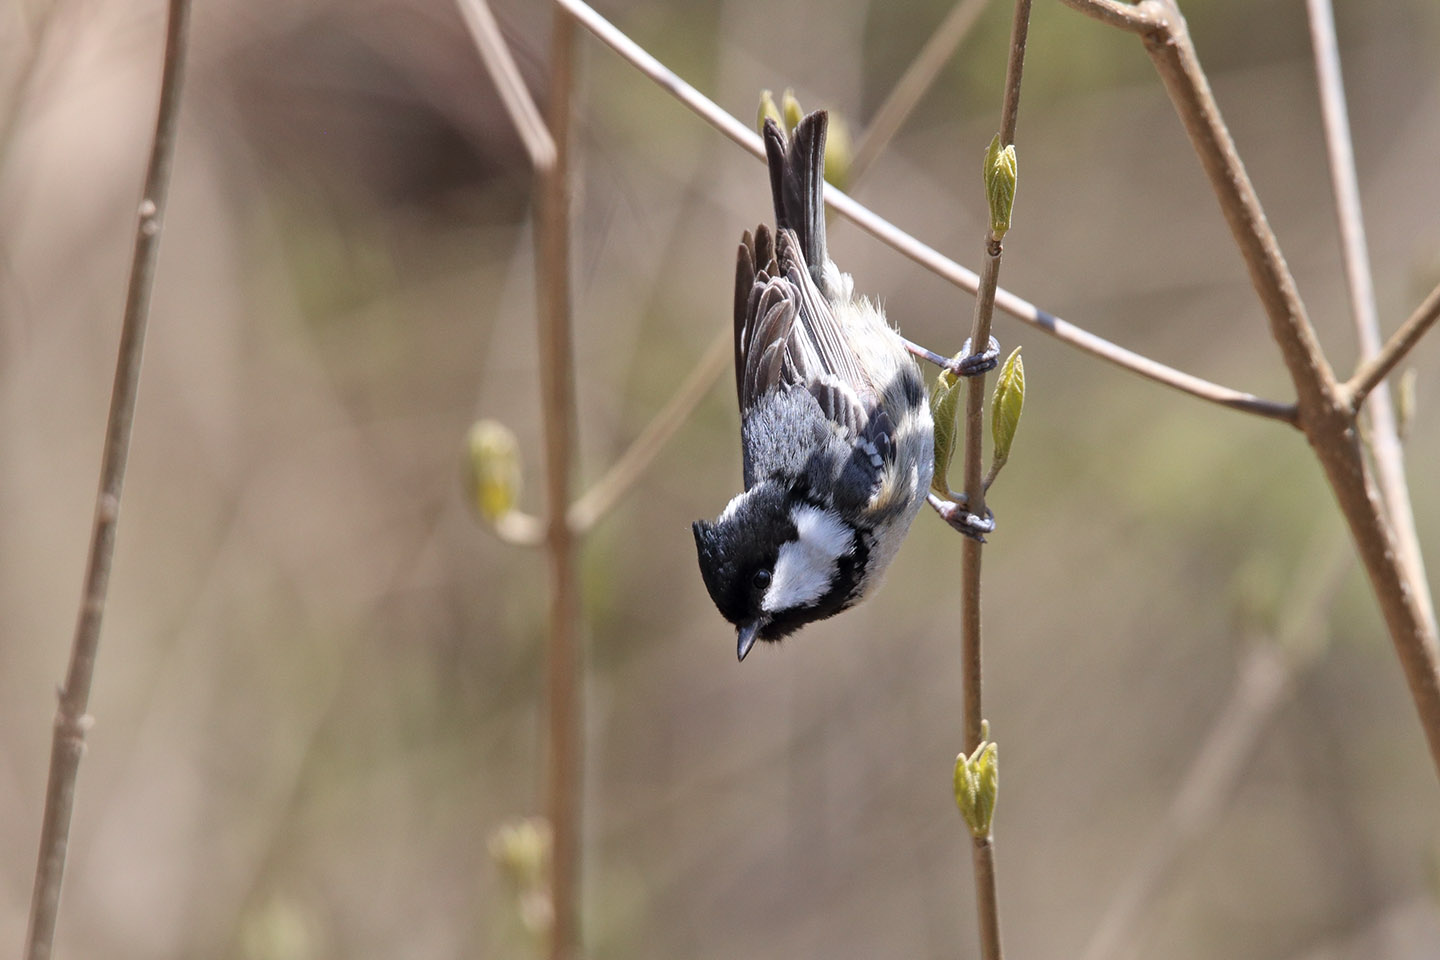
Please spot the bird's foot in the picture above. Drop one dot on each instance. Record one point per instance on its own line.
(954, 513)
(973, 364)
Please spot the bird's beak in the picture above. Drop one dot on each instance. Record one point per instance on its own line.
(746, 638)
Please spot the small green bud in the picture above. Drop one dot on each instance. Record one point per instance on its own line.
(945, 411)
(1000, 179)
(768, 111)
(1005, 408)
(521, 849)
(492, 469)
(791, 107)
(838, 152)
(977, 782)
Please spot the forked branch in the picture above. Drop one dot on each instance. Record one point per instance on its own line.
(1326, 411)
(1378, 367)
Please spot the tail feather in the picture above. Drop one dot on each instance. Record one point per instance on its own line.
(797, 185)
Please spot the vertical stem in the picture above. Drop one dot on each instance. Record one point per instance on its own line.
(987, 903)
(975, 499)
(987, 900)
(71, 718)
(1384, 437)
(557, 399)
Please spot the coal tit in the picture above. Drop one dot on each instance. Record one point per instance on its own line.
(836, 436)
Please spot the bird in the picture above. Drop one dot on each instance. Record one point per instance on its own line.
(837, 440)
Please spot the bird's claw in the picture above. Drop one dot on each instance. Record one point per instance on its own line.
(973, 364)
(954, 513)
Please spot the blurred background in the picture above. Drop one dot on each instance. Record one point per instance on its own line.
(318, 688)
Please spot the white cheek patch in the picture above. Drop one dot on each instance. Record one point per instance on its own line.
(806, 565)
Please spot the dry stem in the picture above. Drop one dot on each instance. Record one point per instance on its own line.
(557, 401)
(495, 54)
(1378, 367)
(71, 719)
(987, 900)
(1384, 436)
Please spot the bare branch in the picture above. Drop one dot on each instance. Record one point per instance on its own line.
(914, 84)
(1378, 367)
(71, 718)
(1136, 17)
(922, 254)
(987, 898)
(607, 491)
(495, 54)
(1384, 437)
(557, 403)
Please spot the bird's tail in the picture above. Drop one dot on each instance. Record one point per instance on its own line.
(797, 183)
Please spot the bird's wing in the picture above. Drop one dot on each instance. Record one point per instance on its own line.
(787, 334)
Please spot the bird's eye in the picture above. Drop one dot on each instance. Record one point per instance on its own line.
(761, 579)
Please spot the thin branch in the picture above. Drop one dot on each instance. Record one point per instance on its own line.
(71, 718)
(1383, 437)
(1340, 153)
(1325, 412)
(921, 253)
(1378, 367)
(914, 84)
(495, 54)
(1136, 18)
(607, 491)
(557, 403)
(987, 899)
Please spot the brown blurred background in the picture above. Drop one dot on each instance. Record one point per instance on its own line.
(317, 693)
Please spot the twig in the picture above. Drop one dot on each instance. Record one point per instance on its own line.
(924, 255)
(495, 54)
(1134, 17)
(557, 403)
(987, 901)
(71, 718)
(607, 491)
(1324, 405)
(1383, 437)
(1262, 686)
(1378, 367)
(914, 84)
